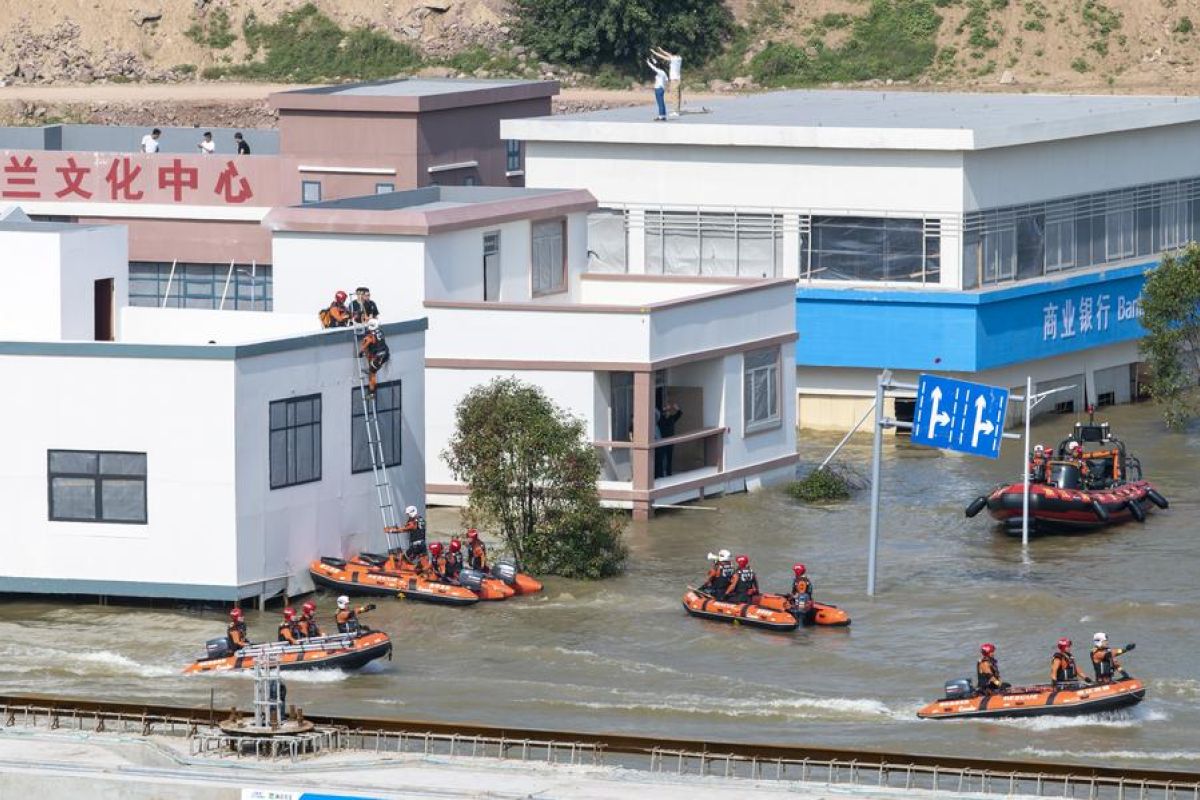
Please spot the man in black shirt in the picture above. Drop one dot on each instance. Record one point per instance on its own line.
(664, 455)
(362, 307)
(243, 149)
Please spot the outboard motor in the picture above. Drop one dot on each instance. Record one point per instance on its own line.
(218, 648)
(505, 571)
(959, 689)
(471, 579)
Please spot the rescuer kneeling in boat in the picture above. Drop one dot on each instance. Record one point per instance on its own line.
(289, 628)
(476, 551)
(744, 586)
(432, 565)
(308, 621)
(236, 632)
(719, 575)
(347, 616)
(1063, 670)
(1104, 658)
(987, 671)
(453, 561)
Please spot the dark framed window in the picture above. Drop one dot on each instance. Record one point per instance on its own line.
(310, 191)
(97, 486)
(388, 410)
(491, 266)
(512, 155)
(549, 256)
(385, 188)
(295, 441)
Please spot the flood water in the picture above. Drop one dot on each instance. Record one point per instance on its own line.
(622, 656)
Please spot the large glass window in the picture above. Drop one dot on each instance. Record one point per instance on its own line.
(620, 386)
(607, 241)
(295, 441)
(1060, 237)
(97, 486)
(760, 388)
(245, 287)
(870, 249)
(549, 256)
(491, 266)
(1173, 218)
(714, 243)
(1119, 228)
(387, 409)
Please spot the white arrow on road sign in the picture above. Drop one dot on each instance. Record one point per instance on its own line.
(936, 415)
(981, 425)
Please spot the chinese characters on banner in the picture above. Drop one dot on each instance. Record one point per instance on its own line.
(62, 176)
(1089, 314)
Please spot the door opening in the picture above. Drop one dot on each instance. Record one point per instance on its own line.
(104, 310)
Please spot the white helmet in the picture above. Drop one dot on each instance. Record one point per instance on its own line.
(1100, 639)
(1071, 445)
(411, 511)
(373, 325)
(343, 601)
(724, 555)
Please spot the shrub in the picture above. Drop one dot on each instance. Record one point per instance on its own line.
(213, 31)
(825, 485)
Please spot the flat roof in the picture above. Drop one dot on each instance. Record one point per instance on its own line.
(849, 119)
(411, 94)
(431, 209)
(34, 226)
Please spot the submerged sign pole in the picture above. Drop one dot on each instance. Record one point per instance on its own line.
(877, 452)
(1025, 460)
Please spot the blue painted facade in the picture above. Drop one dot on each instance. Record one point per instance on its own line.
(968, 331)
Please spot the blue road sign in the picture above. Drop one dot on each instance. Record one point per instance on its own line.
(959, 415)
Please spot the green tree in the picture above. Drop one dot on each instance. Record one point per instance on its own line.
(532, 474)
(592, 33)
(1171, 317)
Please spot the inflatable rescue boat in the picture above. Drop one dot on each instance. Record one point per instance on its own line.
(774, 612)
(962, 701)
(356, 578)
(339, 651)
(1071, 494)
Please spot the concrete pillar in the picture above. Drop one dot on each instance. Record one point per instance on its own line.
(643, 440)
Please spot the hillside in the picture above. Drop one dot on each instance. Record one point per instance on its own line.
(1055, 45)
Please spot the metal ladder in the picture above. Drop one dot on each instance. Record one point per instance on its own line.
(383, 485)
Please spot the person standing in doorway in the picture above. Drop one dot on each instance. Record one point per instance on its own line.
(660, 88)
(150, 141)
(207, 145)
(243, 149)
(674, 76)
(664, 455)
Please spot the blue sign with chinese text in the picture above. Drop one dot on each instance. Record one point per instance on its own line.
(959, 415)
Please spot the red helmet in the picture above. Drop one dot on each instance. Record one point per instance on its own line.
(1064, 644)
(309, 608)
(742, 561)
(988, 649)
(235, 614)
(340, 296)
(799, 569)
(436, 548)
(455, 545)
(472, 534)
(289, 614)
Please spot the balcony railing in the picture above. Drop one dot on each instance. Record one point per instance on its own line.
(693, 454)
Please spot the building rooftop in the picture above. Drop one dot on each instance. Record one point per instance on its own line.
(431, 209)
(869, 120)
(411, 94)
(32, 226)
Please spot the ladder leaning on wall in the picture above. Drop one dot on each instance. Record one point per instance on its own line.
(383, 485)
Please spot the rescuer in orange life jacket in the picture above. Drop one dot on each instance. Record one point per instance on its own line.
(744, 586)
(1063, 669)
(1104, 658)
(476, 551)
(289, 628)
(987, 671)
(719, 574)
(432, 566)
(801, 584)
(1037, 464)
(347, 616)
(376, 353)
(308, 621)
(236, 632)
(453, 561)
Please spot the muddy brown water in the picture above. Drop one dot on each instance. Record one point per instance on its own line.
(622, 656)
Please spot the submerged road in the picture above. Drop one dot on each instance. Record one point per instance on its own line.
(621, 656)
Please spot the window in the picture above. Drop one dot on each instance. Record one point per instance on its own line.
(549, 256)
(1106, 399)
(247, 287)
(385, 188)
(870, 249)
(470, 180)
(1060, 237)
(387, 409)
(512, 155)
(760, 388)
(295, 446)
(1173, 218)
(97, 486)
(1119, 227)
(491, 266)
(310, 191)
(713, 243)
(620, 385)
(607, 241)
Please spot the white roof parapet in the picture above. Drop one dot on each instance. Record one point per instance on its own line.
(870, 121)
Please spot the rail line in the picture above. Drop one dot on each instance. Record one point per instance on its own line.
(763, 761)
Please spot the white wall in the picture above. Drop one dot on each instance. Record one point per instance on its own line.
(742, 448)
(629, 292)
(177, 412)
(90, 254)
(507, 334)
(282, 530)
(205, 325)
(30, 276)
(722, 321)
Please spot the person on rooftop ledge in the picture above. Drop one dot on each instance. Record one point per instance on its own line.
(674, 76)
(362, 307)
(660, 88)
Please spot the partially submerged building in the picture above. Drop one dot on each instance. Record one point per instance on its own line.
(988, 236)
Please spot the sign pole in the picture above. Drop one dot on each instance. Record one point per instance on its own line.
(1025, 461)
(877, 449)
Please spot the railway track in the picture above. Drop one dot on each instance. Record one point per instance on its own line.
(867, 768)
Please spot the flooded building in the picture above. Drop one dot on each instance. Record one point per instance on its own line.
(992, 237)
(181, 452)
(194, 216)
(504, 277)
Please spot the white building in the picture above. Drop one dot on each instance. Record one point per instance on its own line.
(181, 453)
(502, 276)
(993, 236)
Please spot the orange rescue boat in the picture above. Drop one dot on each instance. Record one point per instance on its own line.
(339, 651)
(963, 701)
(483, 586)
(705, 606)
(355, 578)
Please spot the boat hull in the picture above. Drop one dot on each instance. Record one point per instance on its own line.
(364, 650)
(1069, 510)
(359, 580)
(1036, 701)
